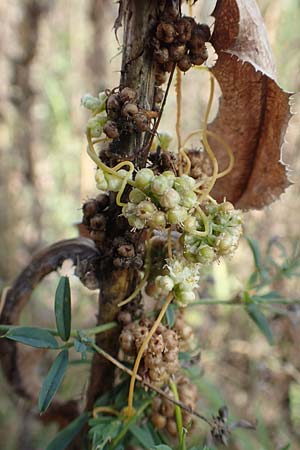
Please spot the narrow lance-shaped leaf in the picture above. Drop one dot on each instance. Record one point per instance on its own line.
(63, 308)
(260, 320)
(35, 337)
(65, 436)
(53, 380)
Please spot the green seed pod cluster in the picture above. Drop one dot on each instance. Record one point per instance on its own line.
(109, 182)
(225, 230)
(160, 358)
(158, 201)
(163, 411)
(97, 106)
(180, 278)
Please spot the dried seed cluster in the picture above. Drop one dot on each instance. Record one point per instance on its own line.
(93, 217)
(163, 411)
(116, 112)
(160, 358)
(179, 41)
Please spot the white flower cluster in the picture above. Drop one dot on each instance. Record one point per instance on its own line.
(181, 278)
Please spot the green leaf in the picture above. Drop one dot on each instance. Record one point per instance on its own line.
(260, 320)
(35, 337)
(258, 262)
(161, 447)
(53, 380)
(143, 435)
(63, 308)
(66, 435)
(170, 315)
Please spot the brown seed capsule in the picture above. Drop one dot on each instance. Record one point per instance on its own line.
(184, 27)
(171, 356)
(168, 67)
(177, 52)
(127, 95)
(126, 250)
(124, 317)
(102, 201)
(205, 31)
(161, 55)
(156, 344)
(127, 341)
(97, 236)
(111, 129)
(167, 408)
(113, 106)
(158, 421)
(199, 58)
(98, 222)
(160, 77)
(165, 32)
(89, 209)
(171, 340)
(157, 373)
(156, 404)
(185, 63)
(129, 110)
(152, 361)
(141, 121)
(172, 427)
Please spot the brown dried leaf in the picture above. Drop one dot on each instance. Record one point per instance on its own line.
(253, 111)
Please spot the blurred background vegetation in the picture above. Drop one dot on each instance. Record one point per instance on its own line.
(54, 51)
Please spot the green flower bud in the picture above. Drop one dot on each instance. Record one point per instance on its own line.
(103, 98)
(226, 207)
(169, 199)
(159, 185)
(184, 184)
(170, 177)
(96, 124)
(164, 282)
(158, 221)
(145, 209)
(136, 222)
(206, 255)
(225, 244)
(185, 297)
(143, 178)
(164, 140)
(129, 209)
(136, 196)
(114, 182)
(190, 224)
(177, 215)
(189, 199)
(90, 102)
(101, 182)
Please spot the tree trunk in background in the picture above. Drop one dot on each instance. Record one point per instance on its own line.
(20, 189)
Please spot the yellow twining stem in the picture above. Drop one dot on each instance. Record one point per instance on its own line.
(188, 164)
(190, 7)
(104, 409)
(222, 142)
(178, 116)
(205, 221)
(135, 369)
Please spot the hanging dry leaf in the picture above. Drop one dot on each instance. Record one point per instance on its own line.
(253, 111)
